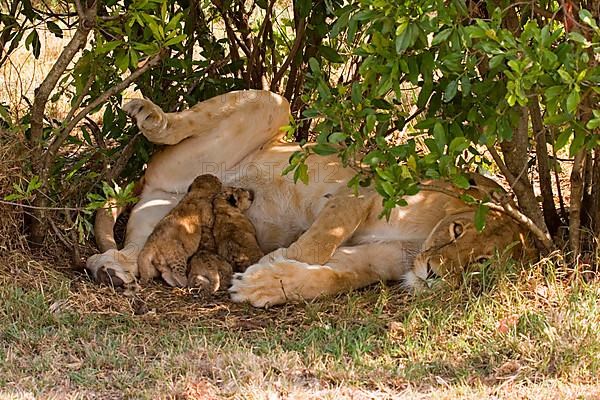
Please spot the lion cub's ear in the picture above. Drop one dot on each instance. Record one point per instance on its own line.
(232, 199)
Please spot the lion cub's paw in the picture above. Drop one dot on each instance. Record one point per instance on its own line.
(209, 272)
(149, 117)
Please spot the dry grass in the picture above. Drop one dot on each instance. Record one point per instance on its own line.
(510, 332)
(516, 333)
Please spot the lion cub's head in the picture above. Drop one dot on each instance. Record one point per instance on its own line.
(206, 184)
(238, 197)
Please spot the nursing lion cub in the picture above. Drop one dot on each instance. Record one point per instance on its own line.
(234, 247)
(177, 236)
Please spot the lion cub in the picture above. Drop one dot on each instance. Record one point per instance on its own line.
(234, 247)
(178, 235)
(234, 233)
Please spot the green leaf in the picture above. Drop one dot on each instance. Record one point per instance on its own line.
(330, 54)
(562, 139)
(356, 93)
(301, 173)
(34, 183)
(122, 60)
(565, 76)
(370, 125)
(439, 134)
(33, 41)
(108, 46)
(557, 119)
(587, 17)
(441, 36)
(554, 91)
(451, 90)
(324, 149)
(577, 143)
(577, 37)
(593, 123)
(461, 181)
(175, 40)
(573, 101)
(314, 65)
(374, 158)
(387, 187)
(496, 61)
(5, 115)
(407, 38)
(54, 28)
(303, 7)
(458, 145)
(480, 217)
(337, 137)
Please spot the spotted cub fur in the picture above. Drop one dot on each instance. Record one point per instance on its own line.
(178, 235)
(234, 247)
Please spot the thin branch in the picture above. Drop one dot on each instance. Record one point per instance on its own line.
(42, 93)
(576, 200)
(297, 43)
(84, 92)
(11, 203)
(123, 159)
(500, 163)
(51, 152)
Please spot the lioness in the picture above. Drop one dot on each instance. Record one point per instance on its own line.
(237, 136)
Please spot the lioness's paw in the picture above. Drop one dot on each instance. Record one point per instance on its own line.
(149, 117)
(107, 269)
(265, 285)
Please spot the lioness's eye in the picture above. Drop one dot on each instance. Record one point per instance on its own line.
(456, 230)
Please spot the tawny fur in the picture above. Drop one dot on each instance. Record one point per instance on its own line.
(232, 244)
(234, 233)
(237, 137)
(208, 272)
(178, 235)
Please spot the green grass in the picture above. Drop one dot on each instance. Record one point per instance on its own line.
(502, 332)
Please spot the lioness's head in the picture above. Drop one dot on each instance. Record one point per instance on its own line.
(455, 244)
(206, 183)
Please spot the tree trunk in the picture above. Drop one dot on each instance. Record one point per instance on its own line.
(516, 159)
(577, 186)
(551, 217)
(42, 93)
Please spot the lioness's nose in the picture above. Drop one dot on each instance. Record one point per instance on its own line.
(430, 273)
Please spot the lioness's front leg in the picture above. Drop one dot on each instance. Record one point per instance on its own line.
(269, 283)
(119, 267)
(336, 222)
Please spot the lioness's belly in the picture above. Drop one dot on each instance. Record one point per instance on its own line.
(282, 210)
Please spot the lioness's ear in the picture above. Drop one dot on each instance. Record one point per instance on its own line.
(456, 230)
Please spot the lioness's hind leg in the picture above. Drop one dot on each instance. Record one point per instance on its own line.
(149, 117)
